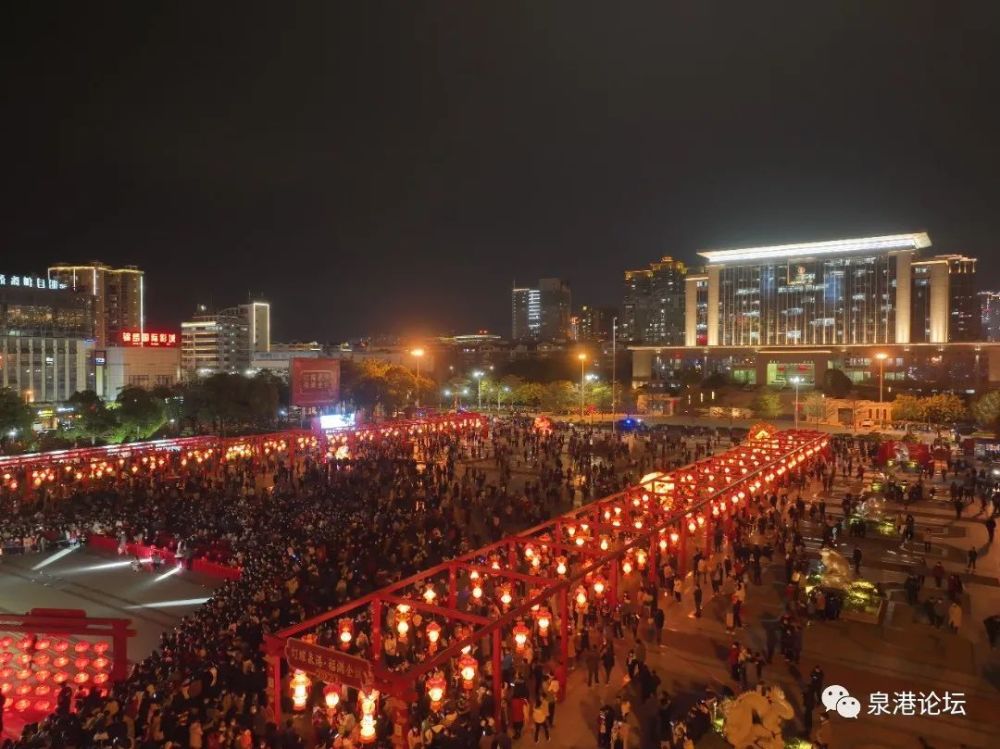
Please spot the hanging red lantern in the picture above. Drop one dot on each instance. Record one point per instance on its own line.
(467, 669)
(521, 634)
(346, 627)
(436, 687)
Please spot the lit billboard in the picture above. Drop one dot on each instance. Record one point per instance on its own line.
(315, 382)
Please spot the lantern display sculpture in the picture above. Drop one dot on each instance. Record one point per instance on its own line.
(368, 700)
(299, 686)
(331, 697)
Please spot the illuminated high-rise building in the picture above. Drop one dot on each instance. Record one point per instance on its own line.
(119, 297)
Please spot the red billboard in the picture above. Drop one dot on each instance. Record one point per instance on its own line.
(315, 382)
(147, 338)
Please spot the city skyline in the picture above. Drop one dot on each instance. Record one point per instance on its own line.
(373, 148)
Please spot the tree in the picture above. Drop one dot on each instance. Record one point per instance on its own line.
(140, 413)
(766, 405)
(836, 384)
(909, 408)
(945, 408)
(94, 419)
(16, 416)
(986, 410)
(815, 407)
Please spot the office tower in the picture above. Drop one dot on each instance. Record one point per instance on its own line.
(119, 297)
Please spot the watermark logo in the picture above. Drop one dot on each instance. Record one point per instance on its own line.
(836, 698)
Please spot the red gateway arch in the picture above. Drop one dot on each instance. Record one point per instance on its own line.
(535, 578)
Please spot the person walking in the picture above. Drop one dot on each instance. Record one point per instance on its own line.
(608, 660)
(698, 594)
(856, 558)
(991, 528)
(954, 617)
(658, 622)
(973, 556)
(540, 717)
(938, 573)
(593, 660)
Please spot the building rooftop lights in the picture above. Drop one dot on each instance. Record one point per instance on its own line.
(915, 241)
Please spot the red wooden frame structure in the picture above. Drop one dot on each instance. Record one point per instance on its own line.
(45, 654)
(582, 554)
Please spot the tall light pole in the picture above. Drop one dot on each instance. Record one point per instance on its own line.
(614, 371)
(478, 374)
(583, 363)
(795, 381)
(881, 356)
(500, 390)
(418, 354)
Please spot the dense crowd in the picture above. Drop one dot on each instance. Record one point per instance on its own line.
(307, 537)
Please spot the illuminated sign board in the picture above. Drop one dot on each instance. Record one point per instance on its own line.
(147, 338)
(31, 282)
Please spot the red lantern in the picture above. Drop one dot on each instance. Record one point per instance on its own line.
(346, 627)
(433, 634)
(467, 668)
(521, 634)
(331, 697)
(436, 687)
(299, 687)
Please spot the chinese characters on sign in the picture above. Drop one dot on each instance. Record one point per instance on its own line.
(916, 703)
(31, 282)
(315, 382)
(146, 338)
(328, 665)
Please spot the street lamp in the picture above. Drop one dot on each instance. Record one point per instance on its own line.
(478, 374)
(583, 363)
(418, 354)
(881, 356)
(614, 370)
(500, 390)
(795, 381)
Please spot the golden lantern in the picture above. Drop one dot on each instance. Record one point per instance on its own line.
(627, 566)
(604, 543)
(571, 530)
(701, 520)
(544, 619)
(402, 627)
(599, 586)
(663, 544)
(505, 596)
(436, 686)
(529, 552)
(640, 558)
(346, 626)
(467, 668)
(299, 686)
(692, 526)
(560, 565)
(331, 697)
(674, 537)
(581, 597)
(521, 634)
(477, 591)
(366, 728)
(429, 594)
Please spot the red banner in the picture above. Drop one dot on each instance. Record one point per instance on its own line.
(328, 665)
(315, 382)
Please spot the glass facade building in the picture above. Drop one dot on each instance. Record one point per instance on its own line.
(808, 301)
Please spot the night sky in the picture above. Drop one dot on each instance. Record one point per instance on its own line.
(394, 166)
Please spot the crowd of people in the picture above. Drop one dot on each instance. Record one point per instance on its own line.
(307, 536)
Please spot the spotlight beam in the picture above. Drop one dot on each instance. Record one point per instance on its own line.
(55, 557)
